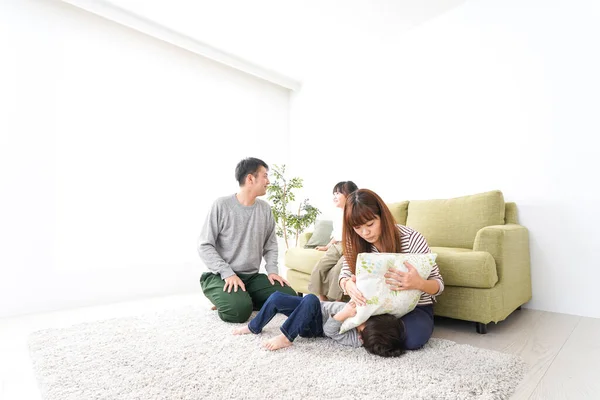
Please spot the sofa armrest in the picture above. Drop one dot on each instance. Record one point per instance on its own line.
(303, 239)
(509, 245)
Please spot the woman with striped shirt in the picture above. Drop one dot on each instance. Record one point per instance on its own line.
(369, 227)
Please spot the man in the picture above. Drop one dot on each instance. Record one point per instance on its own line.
(238, 232)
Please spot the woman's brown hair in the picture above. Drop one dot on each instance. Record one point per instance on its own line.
(362, 206)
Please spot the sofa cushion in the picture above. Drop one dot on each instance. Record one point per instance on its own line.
(303, 238)
(370, 280)
(455, 222)
(399, 211)
(321, 235)
(303, 260)
(466, 268)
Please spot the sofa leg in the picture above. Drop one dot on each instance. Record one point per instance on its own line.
(481, 328)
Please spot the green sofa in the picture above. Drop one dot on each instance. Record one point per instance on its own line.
(483, 255)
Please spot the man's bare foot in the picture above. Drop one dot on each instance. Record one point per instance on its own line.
(213, 308)
(322, 297)
(241, 331)
(278, 342)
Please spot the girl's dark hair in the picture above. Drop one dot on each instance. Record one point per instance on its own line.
(248, 166)
(364, 205)
(384, 335)
(345, 187)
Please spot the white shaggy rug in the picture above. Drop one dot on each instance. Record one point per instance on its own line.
(188, 353)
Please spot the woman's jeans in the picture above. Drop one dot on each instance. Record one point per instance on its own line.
(419, 326)
(304, 315)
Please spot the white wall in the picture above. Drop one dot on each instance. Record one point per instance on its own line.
(480, 95)
(491, 95)
(105, 168)
(297, 38)
(331, 45)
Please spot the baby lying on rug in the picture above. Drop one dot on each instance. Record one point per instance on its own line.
(382, 335)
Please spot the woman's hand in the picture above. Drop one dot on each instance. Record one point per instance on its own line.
(399, 280)
(352, 291)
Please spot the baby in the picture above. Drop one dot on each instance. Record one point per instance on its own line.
(309, 317)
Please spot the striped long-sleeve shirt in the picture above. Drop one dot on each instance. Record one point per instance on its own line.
(411, 241)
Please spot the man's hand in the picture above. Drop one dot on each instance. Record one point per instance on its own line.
(233, 282)
(275, 277)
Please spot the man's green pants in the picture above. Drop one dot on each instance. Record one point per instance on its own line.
(237, 306)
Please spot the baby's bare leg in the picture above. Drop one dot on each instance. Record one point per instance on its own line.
(278, 342)
(241, 331)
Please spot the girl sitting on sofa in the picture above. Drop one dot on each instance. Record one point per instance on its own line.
(324, 276)
(369, 227)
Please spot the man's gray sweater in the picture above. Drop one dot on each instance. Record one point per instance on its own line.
(235, 238)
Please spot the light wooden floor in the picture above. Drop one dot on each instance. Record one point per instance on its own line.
(563, 351)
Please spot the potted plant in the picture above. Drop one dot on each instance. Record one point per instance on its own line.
(281, 195)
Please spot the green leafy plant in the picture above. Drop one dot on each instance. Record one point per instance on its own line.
(281, 195)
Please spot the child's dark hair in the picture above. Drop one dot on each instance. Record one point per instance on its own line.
(247, 166)
(345, 187)
(384, 336)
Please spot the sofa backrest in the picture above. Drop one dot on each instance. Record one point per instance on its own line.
(455, 222)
